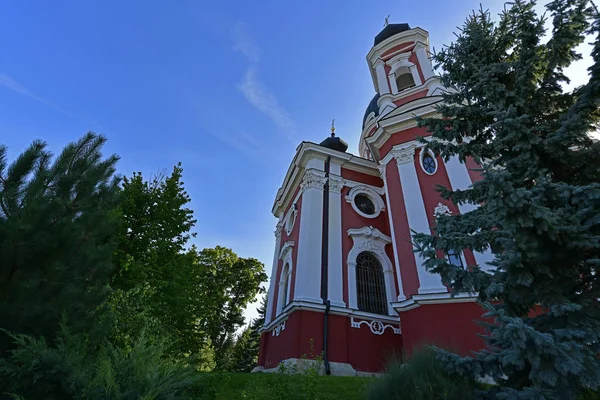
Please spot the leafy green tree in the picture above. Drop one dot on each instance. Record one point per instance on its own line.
(539, 198)
(247, 345)
(156, 289)
(228, 283)
(58, 221)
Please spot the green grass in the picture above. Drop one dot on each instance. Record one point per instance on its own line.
(233, 386)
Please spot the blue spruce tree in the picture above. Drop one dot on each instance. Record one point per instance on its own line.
(507, 107)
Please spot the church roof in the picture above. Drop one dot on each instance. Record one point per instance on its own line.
(372, 107)
(389, 31)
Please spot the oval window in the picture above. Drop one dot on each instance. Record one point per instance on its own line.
(364, 204)
(429, 164)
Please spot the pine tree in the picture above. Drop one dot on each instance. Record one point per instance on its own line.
(539, 199)
(58, 220)
(247, 344)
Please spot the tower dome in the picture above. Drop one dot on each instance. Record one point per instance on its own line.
(371, 108)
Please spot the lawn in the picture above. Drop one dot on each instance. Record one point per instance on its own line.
(233, 386)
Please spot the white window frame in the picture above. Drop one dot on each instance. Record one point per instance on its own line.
(371, 194)
(422, 156)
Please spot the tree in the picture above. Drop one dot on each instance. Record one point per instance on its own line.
(539, 197)
(57, 223)
(247, 345)
(228, 284)
(156, 287)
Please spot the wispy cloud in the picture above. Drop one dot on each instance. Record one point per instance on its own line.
(254, 90)
(15, 86)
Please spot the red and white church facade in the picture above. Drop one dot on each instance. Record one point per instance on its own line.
(346, 283)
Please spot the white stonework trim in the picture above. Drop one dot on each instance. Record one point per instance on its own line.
(335, 281)
(416, 214)
(371, 240)
(382, 84)
(308, 262)
(422, 156)
(371, 194)
(350, 183)
(307, 153)
(377, 327)
(290, 219)
(278, 329)
(284, 286)
(299, 305)
(269, 312)
(426, 68)
(441, 209)
(286, 250)
(435, 298)
(459, 178)
(401, 296)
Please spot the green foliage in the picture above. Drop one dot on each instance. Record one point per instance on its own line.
(539, 198)
(72, 369)
(422, 377)
(227, 284)
(57, 223)
(244, 355)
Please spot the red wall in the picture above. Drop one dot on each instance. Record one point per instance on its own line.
(450, 325)
(303, 337)
(294, 234)
(395, 49)
(408, 266)
(431, 197)
(410, 98)
(402, 137)
(352, 220)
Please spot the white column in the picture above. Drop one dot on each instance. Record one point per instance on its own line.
(335, 285)
(415, 74)
(382, 82)
(424, 61)
(416, 214)
(459, 178)
(270, 294)
(308, 263)
(401, 295)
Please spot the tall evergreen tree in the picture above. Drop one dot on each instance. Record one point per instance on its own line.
(539, 197)
(58, 221)
(247, 344)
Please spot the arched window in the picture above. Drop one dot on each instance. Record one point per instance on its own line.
(283, 287)
(404, 79)
(370, 284)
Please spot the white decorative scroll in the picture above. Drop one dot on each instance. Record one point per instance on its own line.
(404, 155)
(278, 329)
(336, 184)
(441, 209)
(312, 179)
(377, 327)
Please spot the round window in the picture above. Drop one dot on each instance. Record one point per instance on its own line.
(429, 164)
(364, 204)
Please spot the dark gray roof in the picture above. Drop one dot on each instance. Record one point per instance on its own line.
(372, 107)
(335, 143)
(389, 31)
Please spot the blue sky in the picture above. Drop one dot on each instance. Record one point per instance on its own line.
(227, 88)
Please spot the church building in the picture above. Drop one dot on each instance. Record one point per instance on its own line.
(345, 282)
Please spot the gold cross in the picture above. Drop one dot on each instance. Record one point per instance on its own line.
(333, 126)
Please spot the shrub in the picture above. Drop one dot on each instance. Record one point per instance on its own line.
(421, 377)
(72, 369)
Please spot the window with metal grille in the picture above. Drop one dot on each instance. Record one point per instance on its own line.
(370, 284)
(429, 164)
(454, 258)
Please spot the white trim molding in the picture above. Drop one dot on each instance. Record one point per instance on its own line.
(377, 327)
(371, 194)
(290, 219)
(279, 328)
(369, 239)
(422, 157)
(434, 298)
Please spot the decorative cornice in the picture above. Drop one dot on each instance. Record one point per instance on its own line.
(313, 179)
(370, 233)
(404, 155)
(382, 171)
(286, 248)
(278, 229)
